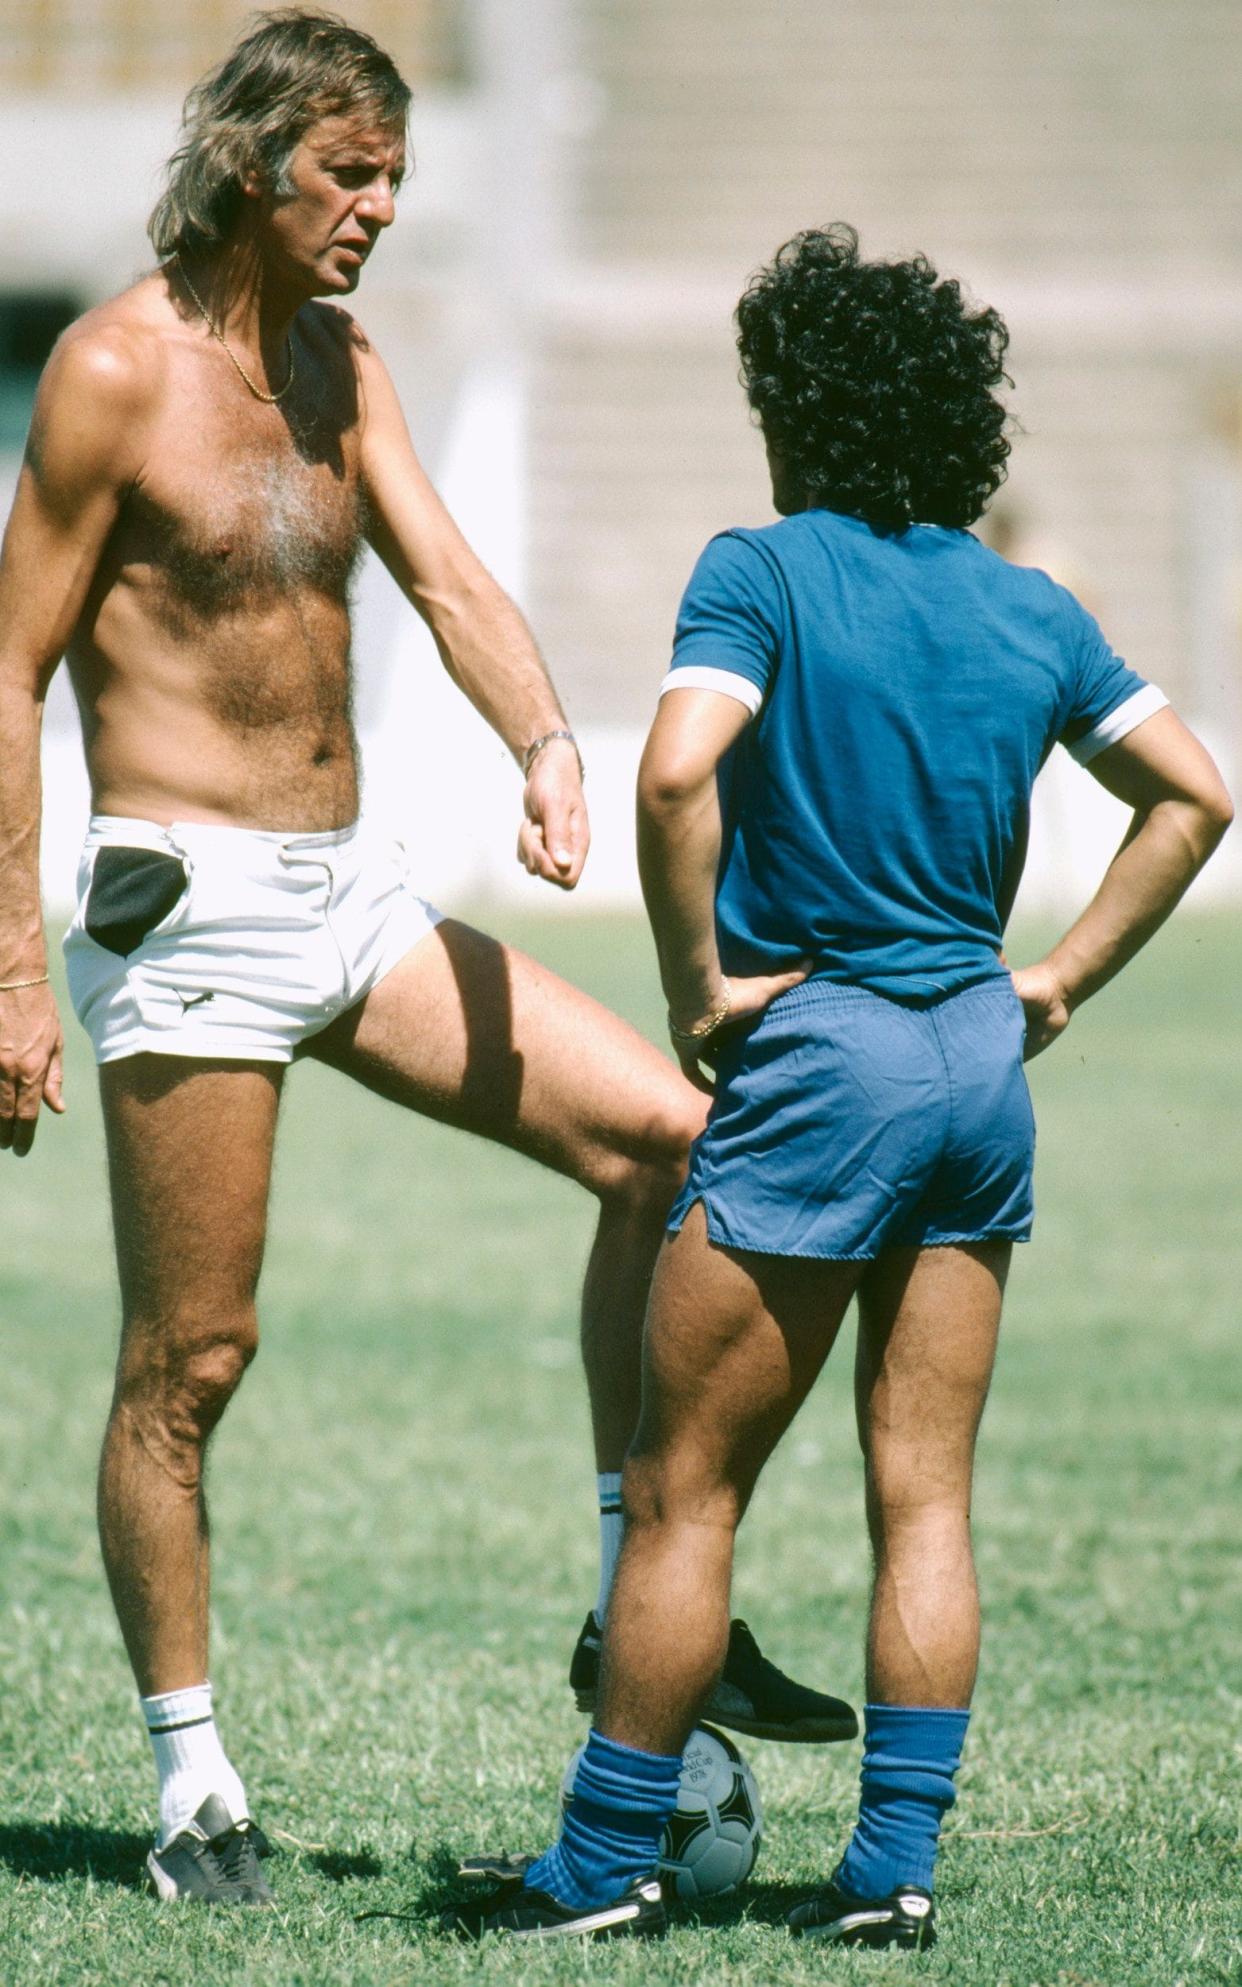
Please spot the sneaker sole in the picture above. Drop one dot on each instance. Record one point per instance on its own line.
(806, 1732)
(617, 1924)
(871, 1930)
(858, 1941)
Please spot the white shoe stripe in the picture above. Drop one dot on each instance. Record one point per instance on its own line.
(617, 1914)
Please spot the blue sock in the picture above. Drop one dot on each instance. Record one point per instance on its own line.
(910, 1755)
(611, 1831)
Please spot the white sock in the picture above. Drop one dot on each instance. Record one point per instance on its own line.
(189, 1758)
(611, 1533)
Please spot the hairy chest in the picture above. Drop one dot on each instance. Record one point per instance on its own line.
(240, 505)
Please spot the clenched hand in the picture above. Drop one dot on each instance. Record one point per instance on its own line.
(555, 836)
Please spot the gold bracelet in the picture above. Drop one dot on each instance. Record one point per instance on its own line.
(536, 747)
(14, 986)
(686, 1038)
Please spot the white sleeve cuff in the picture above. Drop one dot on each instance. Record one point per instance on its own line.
(726, 681)
(1143, 704)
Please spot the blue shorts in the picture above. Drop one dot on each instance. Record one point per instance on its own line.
(845, 1123)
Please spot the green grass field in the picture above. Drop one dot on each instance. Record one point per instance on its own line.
(405, 1543)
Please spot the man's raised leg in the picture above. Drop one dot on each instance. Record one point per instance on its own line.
(189, 1154)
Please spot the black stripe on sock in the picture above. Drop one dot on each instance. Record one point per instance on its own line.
(183, 1726)
(611, 1510)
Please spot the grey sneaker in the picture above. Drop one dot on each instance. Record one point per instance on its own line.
(213, 1859)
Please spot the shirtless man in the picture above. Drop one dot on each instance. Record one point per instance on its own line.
(208, 453)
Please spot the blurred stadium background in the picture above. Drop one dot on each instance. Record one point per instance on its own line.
(595, 180)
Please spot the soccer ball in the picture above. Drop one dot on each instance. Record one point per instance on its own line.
(710, 1844)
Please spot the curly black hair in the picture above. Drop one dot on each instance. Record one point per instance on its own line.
(872, 382)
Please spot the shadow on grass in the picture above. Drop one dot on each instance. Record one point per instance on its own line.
(759, 1904)
(340, 1867)
(54, 1851)
(51, 1851)
(434, 1886)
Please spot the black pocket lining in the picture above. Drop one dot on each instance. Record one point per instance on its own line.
(131, 891)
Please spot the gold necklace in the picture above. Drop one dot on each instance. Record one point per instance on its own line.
(219, 336)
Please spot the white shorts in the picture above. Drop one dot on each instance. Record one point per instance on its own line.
(232, 943)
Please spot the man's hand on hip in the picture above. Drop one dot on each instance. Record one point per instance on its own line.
(747, 998)
(1047, 1009)
(31, 1051)
(555, 836)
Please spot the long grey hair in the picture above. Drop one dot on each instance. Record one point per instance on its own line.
(249, 114)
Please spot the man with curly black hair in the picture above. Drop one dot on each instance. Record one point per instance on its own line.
(838, 783)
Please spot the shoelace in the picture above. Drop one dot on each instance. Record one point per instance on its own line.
(234, 1851)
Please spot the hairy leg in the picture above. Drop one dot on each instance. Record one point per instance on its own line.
(471, 1032)
(928, 1322)
(189, 1157)
(734, 1344)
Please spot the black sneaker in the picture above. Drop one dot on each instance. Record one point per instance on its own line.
(752, 1696)
(518, 1913)
(907, 1918)
(213, 1859)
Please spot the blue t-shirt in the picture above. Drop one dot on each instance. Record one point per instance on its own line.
(907, 689)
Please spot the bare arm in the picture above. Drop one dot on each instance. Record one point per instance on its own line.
(79, 461)
(483, 640)
(679, 856)
(1181, 811)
